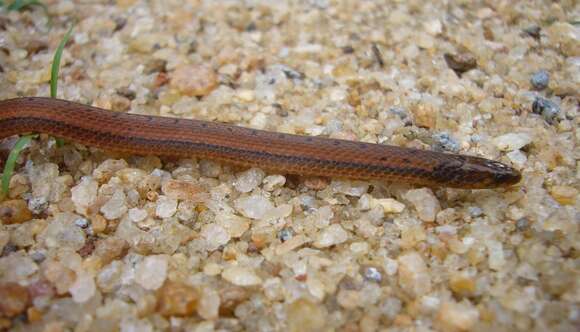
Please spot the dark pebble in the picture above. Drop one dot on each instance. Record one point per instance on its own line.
(540, 79)
(285, 234)
(442, 141)
(522, 224)
(547, 108)
(532, 31)
(460, 63)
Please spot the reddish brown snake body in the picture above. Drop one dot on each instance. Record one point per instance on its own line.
(152, 135)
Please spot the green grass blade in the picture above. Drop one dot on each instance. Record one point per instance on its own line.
(54, 71)
(18, 5)
(56, 63)
(23, 4)
(11, 162)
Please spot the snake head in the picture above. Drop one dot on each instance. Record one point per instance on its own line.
(492, 174)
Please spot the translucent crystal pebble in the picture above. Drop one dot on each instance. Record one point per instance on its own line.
(166, 207)
(332, 235)
(16, 267)
(83, 288)
(241, 276)
(425, 203)
(137, 215)
(61, 232)
(249, 180)
(414, 274)
(116, 206)
(512, 141)
(215, 236)
(84, 194)
(194, 80)
(255, 206)
(457, 316)
(151, 272)
(209, 303)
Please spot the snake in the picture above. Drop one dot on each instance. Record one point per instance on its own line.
(230, 144)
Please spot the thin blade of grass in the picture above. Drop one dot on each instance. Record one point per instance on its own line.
(11, 162)
(54, 71)
(18, 5)
(22, 4)
(56, 63)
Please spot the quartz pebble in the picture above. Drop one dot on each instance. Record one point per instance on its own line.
(194, 80)
(166, 207)
(303, 315)
(391, 205)
(115, 207)
(84, 194)
(61, 277)
(208, 304)
(255, 206)
(332, 235)
(241, 276)
(182, 190)
(215, 236)
(457, 316)
(413, 274)
(272, 182)
(249, 180)
(61, 232)
(512, 141)
(425, 203)
(83, 288)
(137, 215)
(151, 272)
(565, 195)
(234, 226)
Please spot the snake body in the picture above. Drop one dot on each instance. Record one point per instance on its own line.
(285, 153)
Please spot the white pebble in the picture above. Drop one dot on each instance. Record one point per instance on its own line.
(151, 272)
(391, 205)
(518, 158)
(332, 235)
(425, 203)
(272, 182)
(249, 180)
(241, 276)
(61, 232)
(496, 255)
(234, 225)
(414, 274)
(255, 206)
(83, 288)
(512, 141)
(457, 316)
(351, 188)
(84, 194)
(209, 303)
(115, 207)
(166, 207)
(137, 215)
(215, 236)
